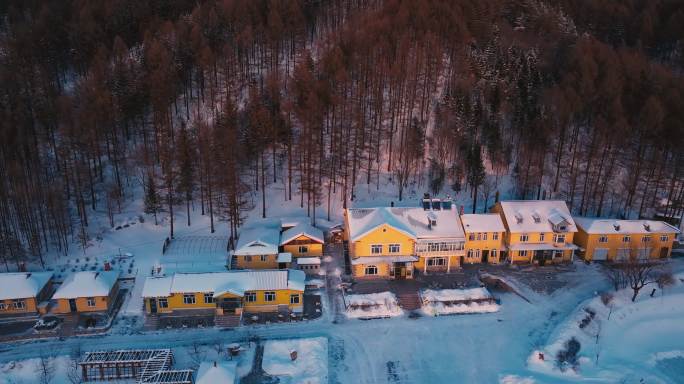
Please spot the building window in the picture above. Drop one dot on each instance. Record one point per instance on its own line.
(394, 248)
(522, 253)
(371, 270)
(189, 298)
(163, 302)
(479, 236)
(263, 257)
(559, 238)
(603, 239)
(436, 262)
(484, 236)
(469, 254)
(294, 299)
(91, 302)
(524, 237)
(248, 259)
(495, 236)
(646, 239)
(493, 253)
(269, 296)
(303, 249)
(542, 236)
(664, 238)
(2, 307)
(626, 239)
(208, 298)
(18, 304)
(250, 297)
(471, 237)
(376, 249)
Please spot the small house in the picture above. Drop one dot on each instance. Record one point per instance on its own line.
(257, 246)
(24, 292)
(484, 238)
(223, 372)
(87, 291)
(302, 240)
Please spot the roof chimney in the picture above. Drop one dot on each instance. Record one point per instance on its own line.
(647, 226)
(518, 217)
(616, 225)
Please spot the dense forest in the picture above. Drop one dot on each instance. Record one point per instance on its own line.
(209, 102)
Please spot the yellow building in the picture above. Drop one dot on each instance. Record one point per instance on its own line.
(397, 242)
(618, 240)
(87, 291)
(537, 231)
(23, 292)
(484, 238)
(302, 240)
(257, 247)
(230, 292)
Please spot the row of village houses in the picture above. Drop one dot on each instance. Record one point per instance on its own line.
(267, 270)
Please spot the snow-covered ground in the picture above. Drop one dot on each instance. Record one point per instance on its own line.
(457, 301)
(309, 367)
(372, 306)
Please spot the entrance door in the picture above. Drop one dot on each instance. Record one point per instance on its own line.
(282, 265)
(72, 305)
(485, 255)
(663, 252)
(539, 257)
(153, 305)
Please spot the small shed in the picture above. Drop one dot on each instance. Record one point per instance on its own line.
(310, 265)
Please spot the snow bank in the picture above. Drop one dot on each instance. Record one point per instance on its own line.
(515, 379)
(457, 301)
(310, 367)
(372, 306)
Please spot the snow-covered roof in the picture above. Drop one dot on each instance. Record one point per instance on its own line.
(309, 260)
(542, 246)
(235, 282)
(87, 284)
(284, 257)
(482, 222)
(455, 294)
(259, 238)
(409, 220)
(625, 227)
(22, 285)
(536, 215)
(302, 229)
(222, 372)
(196, 248)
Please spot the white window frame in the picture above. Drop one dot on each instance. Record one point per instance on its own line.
(368, 268)
(522, 253)
(210, 297)
(646, 239)
(250, 297)
(376, 249)
(479, 236)
(493, 253)
(269, 296)
(303, 249)
(248, 258)
(542, 236)
(394, 248)
(495, 235)
(626, 239)
(603, 239)
(19, 304)
(189, 299)
(664, 238)
(263, 258)
(2, 306)
(471, 237)
(524, 237)
(91, 302)
(484, 236)
(559, 238)
(162, 302)
(436, 262)
(294, 299)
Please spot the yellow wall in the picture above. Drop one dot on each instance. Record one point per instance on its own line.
(256, 263)
(282, 297)
(29, 306)
(615, 242)
(482, 245)
(384, 235)
(360, 270)
(315, 248)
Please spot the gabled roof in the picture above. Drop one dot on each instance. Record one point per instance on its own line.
(625, 227)
(413, 222)
(22, 285)
(302, 229)
(259, 238)
(234, 282)
(222, 372)
(87, 284)
(482, 222)
(536, 215)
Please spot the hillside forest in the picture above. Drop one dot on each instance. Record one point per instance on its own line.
(209, 102)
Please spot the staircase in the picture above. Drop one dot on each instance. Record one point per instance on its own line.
(151, 323)
(227, 321)
(233, 262)
(409, 301)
